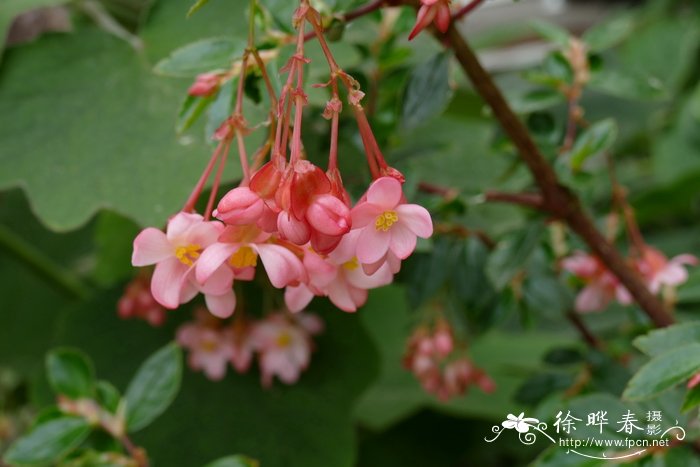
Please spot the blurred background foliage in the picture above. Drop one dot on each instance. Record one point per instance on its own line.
(89, 153)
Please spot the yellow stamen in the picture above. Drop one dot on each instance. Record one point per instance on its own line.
(244, 257)
(188, 254)
(385, 220)
(284, 339)
(351, 265)
(209, 345)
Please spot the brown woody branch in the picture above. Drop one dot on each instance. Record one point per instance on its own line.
(556, 199)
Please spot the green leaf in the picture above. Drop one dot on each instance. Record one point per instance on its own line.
(234, 461)
(190, 111)
(48, 442)
(692, 399)
(139, 170)
(538, 99)
(197, 5)
(512, 254)
(552, 33)
(428, 91)
(664, 372)
(662, 340)
(609, 33)
(108, 396)
(597, 139)
(154, 387)
(70, 372)
(114, 240)
(213, 54)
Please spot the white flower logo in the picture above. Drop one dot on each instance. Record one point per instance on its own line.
(520, 423)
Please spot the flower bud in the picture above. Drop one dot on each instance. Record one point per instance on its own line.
(329, 215)
(295, 231)
(205, 85)
(240, 206)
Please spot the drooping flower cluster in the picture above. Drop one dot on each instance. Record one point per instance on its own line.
(442, 370)
(283, 344)
(288, 214)
(138, 302)
(601, 286)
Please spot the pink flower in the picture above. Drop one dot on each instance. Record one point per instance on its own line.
(205, 85)
(210, 349)
(601, 286)
(175, 253)
(284, 346)
(659, 271)
(241, 246)
(693, 381)
(437, 11)
(387, 224)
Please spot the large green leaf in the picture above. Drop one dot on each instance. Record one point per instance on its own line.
(48, 441)
(662, 340)
(664, 372)
(428, 91)
(154, 387)
(99, 133)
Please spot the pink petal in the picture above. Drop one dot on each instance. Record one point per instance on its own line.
(219, 282)
(358, 278)
(425, 17)
(385, 192)
(364, 214)
(189, 288)
(329, 215)
(295, 231)
(346, 249)
(403, 241)
(416, 218)
(212, 258)
(310, 323)
(167, 282)
(443, 17)
(591, 298)
(180, 222)
(372, 245)
(339, 293)
(672, 274)
(204, 233)
(370, 269)
(282, 266)
(581, 265)
(151, 246)
(221, 306)
(297, 298)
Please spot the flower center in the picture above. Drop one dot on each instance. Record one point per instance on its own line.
(385, 220)
(208, 345)
(244, 257)
(351, 265)
(188, 254)
(284, 339)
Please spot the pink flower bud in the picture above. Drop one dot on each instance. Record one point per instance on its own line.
(205, 85)
(329, 215)
(443, 343)
(291, 229)
(240, 206)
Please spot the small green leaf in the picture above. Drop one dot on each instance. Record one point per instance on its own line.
(428, 91)
(108, 396)
(190, 111)
(664, 372)
(197, 5)
(552, 33)
(234, 461)
(598, 138)
(70, 372)
(217, 53)
(154, 387)
(511, 255)
(48, 442)
(692, 399)
(660, 341)
(538, 99)
(609, 33)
